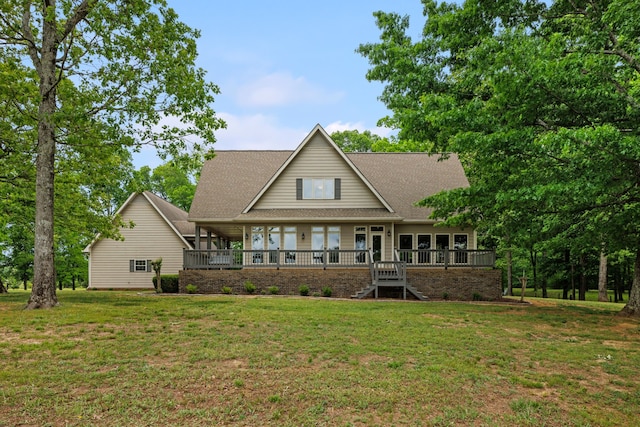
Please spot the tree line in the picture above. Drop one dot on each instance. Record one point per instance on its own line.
(541, 101)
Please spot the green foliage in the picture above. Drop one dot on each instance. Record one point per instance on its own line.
(169, 283)
(226, 290)
(326, 291)
(191, 289)
(304, 290)
(273, 290)
(117, 76)
(540, 101)
(249, 287)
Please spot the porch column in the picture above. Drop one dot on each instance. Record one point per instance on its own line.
(197, 243)
(208, 240)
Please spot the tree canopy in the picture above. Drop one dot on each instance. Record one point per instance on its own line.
(87, 80)
(540, 100)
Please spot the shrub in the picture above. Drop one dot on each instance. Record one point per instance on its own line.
(168, 282)
(445, 296)
(326, 291)
(476, 296)
(304, 290)
(273, 290)
(191, 289)
(249, 287)
(226, 290)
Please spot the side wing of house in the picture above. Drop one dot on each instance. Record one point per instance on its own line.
(124, 264)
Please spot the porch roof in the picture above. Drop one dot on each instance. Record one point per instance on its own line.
(312, 214)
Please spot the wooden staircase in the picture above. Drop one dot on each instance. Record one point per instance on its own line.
(373, 288)
(388, 274)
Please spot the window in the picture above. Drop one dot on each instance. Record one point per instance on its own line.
(460, 243)
(257, 244)
(139, 265)
(442, 242)
(405, 247)
(274, 244)
(317, 243)
(290, 241)
(333, 244)
(318, 188)
(360, 244)
(424, 247)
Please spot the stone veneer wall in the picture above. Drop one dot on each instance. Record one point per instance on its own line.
(463, 284)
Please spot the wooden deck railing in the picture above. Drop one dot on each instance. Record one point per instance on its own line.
(446, 257)
(281, 258)
(277, 258)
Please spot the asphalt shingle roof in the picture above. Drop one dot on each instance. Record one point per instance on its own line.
(231, 180)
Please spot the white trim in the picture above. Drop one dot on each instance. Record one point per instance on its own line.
(317, 129)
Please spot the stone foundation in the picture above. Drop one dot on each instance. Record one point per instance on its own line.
(462, 284)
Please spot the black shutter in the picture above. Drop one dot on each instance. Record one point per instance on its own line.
(132, 265)
(338, 188)
(148, 265)
(299, 189)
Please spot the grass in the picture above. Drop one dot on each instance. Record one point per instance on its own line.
(118, 358)
(591, 295)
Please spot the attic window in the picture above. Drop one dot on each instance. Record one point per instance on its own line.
(318, 188)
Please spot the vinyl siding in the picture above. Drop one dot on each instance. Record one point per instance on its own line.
(150, 239)
(318, 159)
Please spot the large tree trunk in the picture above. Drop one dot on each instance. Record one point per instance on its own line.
(43, 292)
(582, 292)
(633, 306)
(602, 278)
(509, 273)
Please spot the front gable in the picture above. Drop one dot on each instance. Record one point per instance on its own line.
(318, 158)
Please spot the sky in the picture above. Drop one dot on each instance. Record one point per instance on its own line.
(284, 66)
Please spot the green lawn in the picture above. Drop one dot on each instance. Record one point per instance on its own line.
(121, 359)
(591, 295)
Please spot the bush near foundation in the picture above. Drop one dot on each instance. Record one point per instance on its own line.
(169, 283)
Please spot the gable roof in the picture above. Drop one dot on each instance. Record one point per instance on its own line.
(176, 218)
(233, 181)
(321, 131)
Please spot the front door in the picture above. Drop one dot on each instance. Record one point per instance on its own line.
(377, 243)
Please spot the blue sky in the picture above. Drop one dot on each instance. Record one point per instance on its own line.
(284, 66)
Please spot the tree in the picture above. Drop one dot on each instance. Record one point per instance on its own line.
(108, 74)
(542, 104)
(157, 268)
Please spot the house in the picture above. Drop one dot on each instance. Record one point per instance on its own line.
(161, 230)
(318, 208)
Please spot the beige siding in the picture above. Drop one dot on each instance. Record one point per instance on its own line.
(318, 159)
(150, 239)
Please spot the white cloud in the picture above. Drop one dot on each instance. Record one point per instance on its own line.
(257, 132)
(282, 89)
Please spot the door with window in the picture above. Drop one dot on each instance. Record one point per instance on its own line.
(377, 243)
(360, 244)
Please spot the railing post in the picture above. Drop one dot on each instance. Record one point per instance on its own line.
(324, 258)
(277, 258)
(446, 257)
